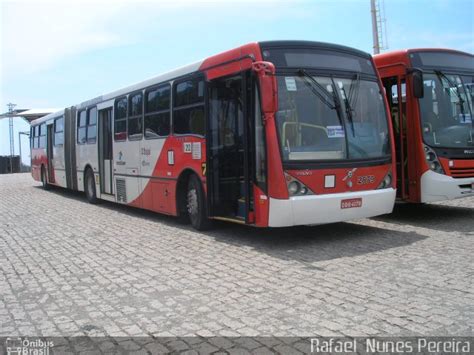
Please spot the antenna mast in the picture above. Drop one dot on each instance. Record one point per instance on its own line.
(10, 129)
(379, 26)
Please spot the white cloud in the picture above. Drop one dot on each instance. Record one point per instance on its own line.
(37, 35)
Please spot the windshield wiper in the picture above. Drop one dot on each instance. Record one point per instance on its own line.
(354, 89)
(337, 102)
(322, 94)
(442, 76)
(349, 100)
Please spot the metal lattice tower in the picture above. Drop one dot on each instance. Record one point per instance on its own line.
(12, 141)
(379, 25)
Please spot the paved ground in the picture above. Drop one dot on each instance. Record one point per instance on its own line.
(70, 268)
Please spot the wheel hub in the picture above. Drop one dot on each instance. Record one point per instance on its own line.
(90, 186)
(192, 202)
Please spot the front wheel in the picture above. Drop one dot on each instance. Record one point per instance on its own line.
(89, 187)
(196, 204)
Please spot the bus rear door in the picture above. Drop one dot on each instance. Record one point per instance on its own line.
(105, 151)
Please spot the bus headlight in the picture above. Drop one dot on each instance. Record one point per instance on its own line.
(296, 187)
(386, 182)
(430, 156)
(432, 160)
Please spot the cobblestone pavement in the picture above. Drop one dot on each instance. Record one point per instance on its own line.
(69, 268)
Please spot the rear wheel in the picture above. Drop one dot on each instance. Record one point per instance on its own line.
(89, 187)
(196, 204)
(44, 178)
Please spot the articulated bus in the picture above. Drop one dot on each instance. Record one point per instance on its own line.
(269, 134)
(430, 96)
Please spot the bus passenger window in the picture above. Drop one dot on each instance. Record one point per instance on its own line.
(157, 112)
(188, 113)
(42, 137)
(58, 131)
(120, 119)
(135, 116)
(82, 127)
(36, 137)
(91, 125)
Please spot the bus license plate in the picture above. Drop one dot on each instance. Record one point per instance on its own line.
(351, 203)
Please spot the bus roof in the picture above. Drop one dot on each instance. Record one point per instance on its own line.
(205, 64)
(47, 117)
(314, 44)
(401, 55)
(125, 90)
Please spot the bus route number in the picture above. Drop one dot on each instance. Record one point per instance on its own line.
(367, 179)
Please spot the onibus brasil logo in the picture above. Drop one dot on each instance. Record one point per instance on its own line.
(26, 346)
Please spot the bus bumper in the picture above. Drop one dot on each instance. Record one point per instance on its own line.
(320, 209)
(439, 187)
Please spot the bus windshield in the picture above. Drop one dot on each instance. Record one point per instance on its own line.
(331, 118)
(446, 110)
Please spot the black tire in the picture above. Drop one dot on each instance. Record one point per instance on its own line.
(196, 204)
(44, 178)
(183, 216)
(89, 187)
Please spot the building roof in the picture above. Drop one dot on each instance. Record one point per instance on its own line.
(29, 114)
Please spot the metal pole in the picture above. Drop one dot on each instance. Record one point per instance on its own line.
(19, 145)
(375, 31)
(12, 143)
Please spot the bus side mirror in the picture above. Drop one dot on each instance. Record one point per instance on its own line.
(268, 87)
(417, 83)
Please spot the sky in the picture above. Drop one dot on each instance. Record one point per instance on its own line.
(59, 53)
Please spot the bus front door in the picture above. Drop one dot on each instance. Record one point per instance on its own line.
(105, 151)
(395, 88)
(228, 174)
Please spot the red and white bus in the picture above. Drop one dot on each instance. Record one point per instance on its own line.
(434, 138)
(269, 134)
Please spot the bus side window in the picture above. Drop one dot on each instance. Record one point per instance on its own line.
(34, 137)
(120, 119)
(157, 112)
(82, 127)
(42, 137)
(37, 136)
(135, 116)
(188, 112)
(91, 133)
(58, 131)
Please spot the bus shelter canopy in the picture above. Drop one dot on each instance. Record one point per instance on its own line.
(28, 114)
